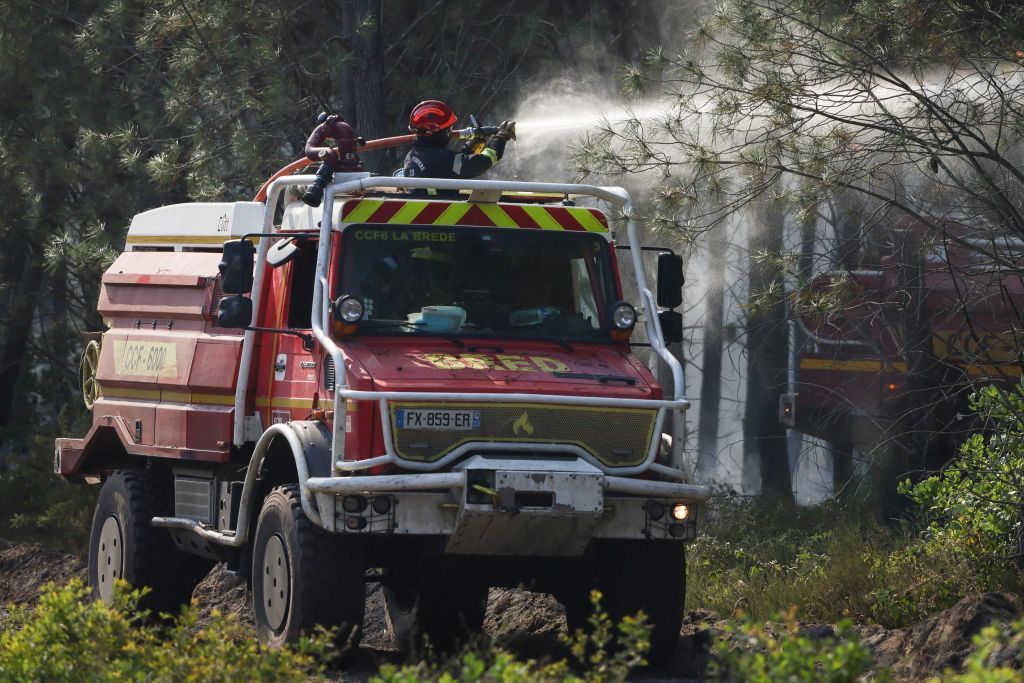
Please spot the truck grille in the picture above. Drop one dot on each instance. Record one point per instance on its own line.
(615, 437)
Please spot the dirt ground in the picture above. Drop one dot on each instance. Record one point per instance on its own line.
(529, 623)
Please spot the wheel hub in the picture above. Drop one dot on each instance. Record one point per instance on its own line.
(276, 582)
(109, 557)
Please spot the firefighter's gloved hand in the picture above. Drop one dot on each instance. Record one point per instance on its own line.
(506, 131)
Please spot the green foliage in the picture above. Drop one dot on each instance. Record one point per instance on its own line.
(977, 502)
(973, 539)
(605, 653)
(69, 637)
(754, 653)
(36, 505)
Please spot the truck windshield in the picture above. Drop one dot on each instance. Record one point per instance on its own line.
(482, 282)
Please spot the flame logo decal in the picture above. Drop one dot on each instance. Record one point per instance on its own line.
(523, 423)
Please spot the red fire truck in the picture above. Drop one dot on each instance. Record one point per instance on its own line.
(893, 346)
(425, 383)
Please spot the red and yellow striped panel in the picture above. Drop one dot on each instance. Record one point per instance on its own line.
(401, 212)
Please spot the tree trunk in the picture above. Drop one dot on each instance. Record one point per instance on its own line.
(18, 330)
(766, 363)
(711, 363)
(369, 70)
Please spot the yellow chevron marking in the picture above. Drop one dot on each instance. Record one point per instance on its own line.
(587, 220)
(544, 219)
(498, 215)
(452, 214)
(363, 210)
(408, 212)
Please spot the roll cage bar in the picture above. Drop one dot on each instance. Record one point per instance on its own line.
(615, 196)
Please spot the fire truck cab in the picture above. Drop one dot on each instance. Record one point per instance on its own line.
(411, 386)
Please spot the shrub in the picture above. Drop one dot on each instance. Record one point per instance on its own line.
(68, 637)
(755, 654)
(977, 502)
(602, 654)
(972, 541)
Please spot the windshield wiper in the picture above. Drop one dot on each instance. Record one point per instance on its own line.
(427, 333)
(603, 379)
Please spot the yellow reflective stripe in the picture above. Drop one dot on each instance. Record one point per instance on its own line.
(408, 212)
(498, 215)
(363, 210)
(542, 218)
(490, 154)
(284, 402)
(453, 214)
(182, 239)
(852, 365)
(587, 220)
(169, 396)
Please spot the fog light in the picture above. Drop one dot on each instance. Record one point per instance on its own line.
(381, 505)
(676, 531)
(680, 511)
(655, 510)
(355, 523)
(353, 504)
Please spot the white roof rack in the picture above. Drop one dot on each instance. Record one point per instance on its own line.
(198, 225)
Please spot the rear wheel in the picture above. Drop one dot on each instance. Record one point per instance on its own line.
(634, 576)
(303, 576)
(124, 545)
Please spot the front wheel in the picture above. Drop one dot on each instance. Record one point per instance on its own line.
(634, 576)
(124, 545)
(446, 608)
(303, 576)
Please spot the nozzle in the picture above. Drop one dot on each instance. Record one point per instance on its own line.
(476, 132)
(315, 194)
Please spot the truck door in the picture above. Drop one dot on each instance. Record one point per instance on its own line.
(288, 373)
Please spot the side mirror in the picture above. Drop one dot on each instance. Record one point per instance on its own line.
(670, 280)
(671, 326)
(236, 266)
(235, 312)
(282, 252)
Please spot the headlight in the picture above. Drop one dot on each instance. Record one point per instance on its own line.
(348, 309)
(680, 512)
(624, 316)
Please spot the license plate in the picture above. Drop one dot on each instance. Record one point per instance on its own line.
(438, 418)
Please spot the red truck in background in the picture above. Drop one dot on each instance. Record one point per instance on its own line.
(431, 391)
(893, 348)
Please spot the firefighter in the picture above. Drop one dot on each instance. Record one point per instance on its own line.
(430, 157)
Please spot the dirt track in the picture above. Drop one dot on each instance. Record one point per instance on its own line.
(529, 623)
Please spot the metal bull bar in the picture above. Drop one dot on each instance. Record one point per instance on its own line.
(618, 198)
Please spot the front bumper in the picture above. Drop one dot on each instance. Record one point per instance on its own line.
(509, 506)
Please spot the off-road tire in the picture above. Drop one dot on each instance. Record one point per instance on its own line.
(321, 578)
(124, 545)
(445, 608)
(634, 576)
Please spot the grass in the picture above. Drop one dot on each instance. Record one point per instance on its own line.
(761, 558)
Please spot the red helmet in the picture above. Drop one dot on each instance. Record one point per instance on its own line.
(431, 116)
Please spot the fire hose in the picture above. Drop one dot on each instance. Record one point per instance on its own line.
(345, 155)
